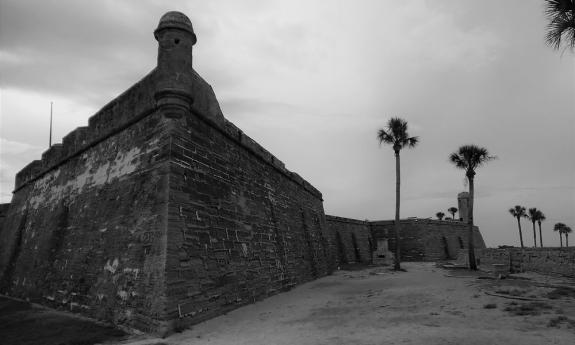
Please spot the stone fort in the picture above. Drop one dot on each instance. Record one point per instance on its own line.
(161, 213)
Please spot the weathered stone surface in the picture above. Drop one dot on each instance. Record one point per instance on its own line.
(353, 238)
(544, 260)
(161, 212)
(421, 239)
(87, 235)
(427, 239)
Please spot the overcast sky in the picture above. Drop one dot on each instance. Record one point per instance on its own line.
(313, 81)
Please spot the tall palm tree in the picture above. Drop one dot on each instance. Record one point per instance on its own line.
(540, 218)
(559, 228)
(469, 158)
(566, 231)
(561, 27)
(440, 215)
(453, 211)
(533, 214)
(395, 134)
(519, 212)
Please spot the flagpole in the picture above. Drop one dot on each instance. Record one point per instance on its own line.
(50, 142)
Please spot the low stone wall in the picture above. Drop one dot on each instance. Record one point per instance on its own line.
(353, 239)
(427, 239)
(543, 260)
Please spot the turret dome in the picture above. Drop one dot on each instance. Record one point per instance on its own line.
(175, 20)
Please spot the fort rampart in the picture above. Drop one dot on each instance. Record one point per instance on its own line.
(421, 239)
(161, 212)
(542, 260)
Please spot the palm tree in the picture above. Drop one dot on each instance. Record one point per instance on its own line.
(519, 212)
(559, 228)
(396, 135)
(567, 230)
(469, 158)
(561, 27)
(540, 218)
(533, 214)
(453, 211)
(440, 215)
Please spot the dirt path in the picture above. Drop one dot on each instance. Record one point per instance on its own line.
(424, 305)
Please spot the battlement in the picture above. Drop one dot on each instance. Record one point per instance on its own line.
(140, 101)
(114, 116)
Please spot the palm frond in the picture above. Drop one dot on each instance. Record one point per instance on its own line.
(559, 227)
(561, 27)
(384, 137)
(395, 133)
(540, 217)
(518, 211)
(470, 157)
(533, 214)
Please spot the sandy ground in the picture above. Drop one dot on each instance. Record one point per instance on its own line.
(425, 305)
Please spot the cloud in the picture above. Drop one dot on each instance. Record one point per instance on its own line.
(9, 148)
(14, 155)
(312, 81)
(244, 106)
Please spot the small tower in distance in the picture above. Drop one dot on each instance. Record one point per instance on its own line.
(463, 205)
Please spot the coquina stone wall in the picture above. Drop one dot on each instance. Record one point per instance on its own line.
(161, 213)
(353, 240)
(543, 260)
(421, 239)
(428, 239)
(88, 233)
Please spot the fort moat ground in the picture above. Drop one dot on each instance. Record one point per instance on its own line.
(374, 305)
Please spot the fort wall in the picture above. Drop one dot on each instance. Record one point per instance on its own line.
(161, 212)
(353, 240)
(421, 239)
(89, 234)
(427, 239)
(242, 227)
(544, 260)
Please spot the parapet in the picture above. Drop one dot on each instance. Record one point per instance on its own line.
(139, 101)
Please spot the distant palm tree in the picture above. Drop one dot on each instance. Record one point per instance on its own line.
(559, 228)
(540, 218)
(469, 158)
(519, 212)
(453, 211)
(440, 215)
(533, 214)
(396, 135)
(561, 27)
(566, 231)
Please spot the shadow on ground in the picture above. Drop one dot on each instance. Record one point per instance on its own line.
(24, 324)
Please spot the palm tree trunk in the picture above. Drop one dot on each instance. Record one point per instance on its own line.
(566, 240)
(471, 247)
(520, 233)
(561, 239)
(397, 266)
(534, 236)
(540, 237)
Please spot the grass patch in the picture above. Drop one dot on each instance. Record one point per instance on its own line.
(557, 321)
(511, 292)
(530, 308)
(490, 306)
(561, 292)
